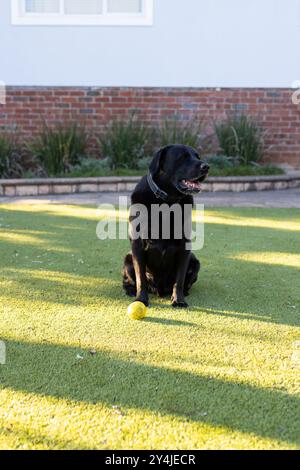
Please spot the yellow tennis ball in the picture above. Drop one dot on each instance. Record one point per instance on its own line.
(137, 311)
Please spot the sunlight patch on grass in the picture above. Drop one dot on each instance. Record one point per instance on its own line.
(80, 212)
(60, 426)
(272, 258)
(84, 212)
(242, 221)
(211, 217)
(23, 238)
(57, 276)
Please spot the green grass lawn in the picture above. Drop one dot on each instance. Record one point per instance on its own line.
(80, 374)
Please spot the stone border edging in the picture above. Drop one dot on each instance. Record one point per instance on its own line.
(52, 186)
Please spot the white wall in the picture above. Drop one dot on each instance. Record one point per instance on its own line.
(213, 43)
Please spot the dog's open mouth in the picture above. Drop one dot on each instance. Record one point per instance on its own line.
(191, 185)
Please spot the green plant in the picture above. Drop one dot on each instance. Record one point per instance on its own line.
(125, 143)
(59, 148)
(221, 165)
(175, 132)
(143, 163)
(241, 138)
(245, 170)
(90, 167)
(10, 157)
(219, 161)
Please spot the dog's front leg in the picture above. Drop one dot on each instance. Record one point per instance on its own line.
(140, 272)
(183, 259)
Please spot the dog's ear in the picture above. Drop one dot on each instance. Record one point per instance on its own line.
(157, 161)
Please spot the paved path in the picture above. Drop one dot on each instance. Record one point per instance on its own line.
(281, 199)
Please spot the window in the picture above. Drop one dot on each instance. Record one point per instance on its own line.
(82, 12)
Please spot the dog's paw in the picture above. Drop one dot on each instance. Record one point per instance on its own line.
(130, 293)
(143, 300)
(176, 304)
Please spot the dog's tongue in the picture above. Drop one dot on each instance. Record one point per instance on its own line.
(192, 184)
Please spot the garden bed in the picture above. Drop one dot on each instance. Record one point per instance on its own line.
(45, 186)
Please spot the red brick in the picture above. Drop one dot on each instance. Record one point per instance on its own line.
(27, 107)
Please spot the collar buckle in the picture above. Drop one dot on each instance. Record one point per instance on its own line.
(159, 194)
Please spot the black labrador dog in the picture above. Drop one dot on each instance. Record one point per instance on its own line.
(158, 265)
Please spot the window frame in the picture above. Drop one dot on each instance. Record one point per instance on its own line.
(19, 18)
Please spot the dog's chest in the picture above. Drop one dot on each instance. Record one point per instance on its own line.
(161, 255)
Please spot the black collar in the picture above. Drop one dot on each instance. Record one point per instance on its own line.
(156, 190)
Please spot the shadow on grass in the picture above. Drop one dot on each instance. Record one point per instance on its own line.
(38, 439)
(168, 321)
(115, 379)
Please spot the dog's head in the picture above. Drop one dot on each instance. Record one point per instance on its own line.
(179, 167)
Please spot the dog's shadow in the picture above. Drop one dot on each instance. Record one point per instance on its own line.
(169, 321)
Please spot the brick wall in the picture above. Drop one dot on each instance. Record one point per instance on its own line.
(27, 107)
